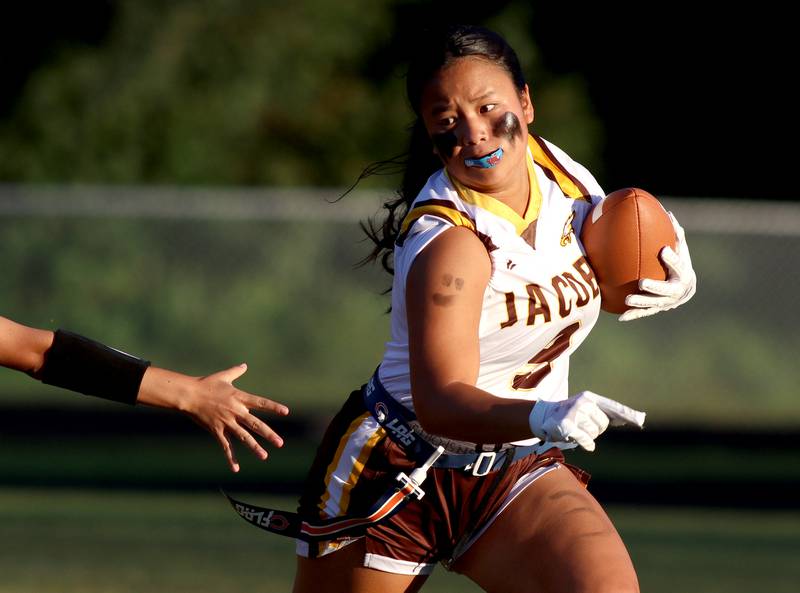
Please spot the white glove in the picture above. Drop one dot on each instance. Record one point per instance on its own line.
(580, 419)
(678, 288)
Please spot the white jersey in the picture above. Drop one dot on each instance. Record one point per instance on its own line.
(542, 298)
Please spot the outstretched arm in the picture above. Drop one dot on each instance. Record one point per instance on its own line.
(77, 363)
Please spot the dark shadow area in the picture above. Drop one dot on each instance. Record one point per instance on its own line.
(147, 449)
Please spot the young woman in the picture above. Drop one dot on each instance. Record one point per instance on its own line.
(491, 295)
(71, 361)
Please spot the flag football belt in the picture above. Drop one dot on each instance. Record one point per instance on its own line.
(394, 419)
(397, 421)
(313, 530)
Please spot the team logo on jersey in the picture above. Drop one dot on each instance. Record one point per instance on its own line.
(566, 234)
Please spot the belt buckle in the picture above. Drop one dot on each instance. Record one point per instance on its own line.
(484, 459)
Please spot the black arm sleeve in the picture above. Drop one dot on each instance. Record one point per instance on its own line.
(77, 363)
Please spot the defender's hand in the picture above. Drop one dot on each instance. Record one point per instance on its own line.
(216, 405)
(225, 412)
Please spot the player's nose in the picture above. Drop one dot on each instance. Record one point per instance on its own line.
(472, 131)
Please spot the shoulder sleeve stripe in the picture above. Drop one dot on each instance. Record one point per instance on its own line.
(440, 209)
(570, 186)
(446, 211)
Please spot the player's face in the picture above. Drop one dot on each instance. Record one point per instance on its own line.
(477, 120)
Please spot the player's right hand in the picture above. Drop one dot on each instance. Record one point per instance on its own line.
(579, 419)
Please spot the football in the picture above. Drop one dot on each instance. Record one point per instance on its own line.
(622, 237)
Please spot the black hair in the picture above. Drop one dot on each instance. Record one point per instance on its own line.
(437, 49)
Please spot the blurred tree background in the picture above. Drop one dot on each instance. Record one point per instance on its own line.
(243, 92)
(308, 92)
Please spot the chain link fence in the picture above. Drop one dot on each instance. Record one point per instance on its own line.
(199, 278)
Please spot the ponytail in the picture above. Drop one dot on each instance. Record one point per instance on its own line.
(418, 164)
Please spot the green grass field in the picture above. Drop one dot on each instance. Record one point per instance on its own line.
(113, 542)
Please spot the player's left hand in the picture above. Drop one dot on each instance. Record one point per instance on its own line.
(580, 419)
(577, 419)
(662, 295)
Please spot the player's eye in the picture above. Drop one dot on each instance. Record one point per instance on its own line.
(446, 122)
(488, 107)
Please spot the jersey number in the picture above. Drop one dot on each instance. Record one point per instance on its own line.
(540, 365)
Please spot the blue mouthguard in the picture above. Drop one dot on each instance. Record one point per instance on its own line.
(486, 162)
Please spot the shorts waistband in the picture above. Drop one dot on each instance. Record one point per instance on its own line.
(396, 419)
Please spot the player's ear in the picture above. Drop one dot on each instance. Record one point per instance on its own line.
(527, 105)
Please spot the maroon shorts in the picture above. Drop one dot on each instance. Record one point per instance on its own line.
(356, 463)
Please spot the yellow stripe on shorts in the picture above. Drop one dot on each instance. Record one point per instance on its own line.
(342, 473)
